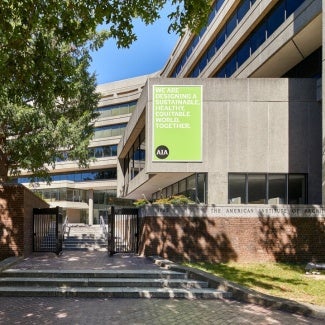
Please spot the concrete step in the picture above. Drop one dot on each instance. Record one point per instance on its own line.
(145, 283)
(152, 274)
(85, 240)
(101, 282)
(114, 292)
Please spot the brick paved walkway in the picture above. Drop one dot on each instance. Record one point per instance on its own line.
(89, 311)
(90, 260)
(139, 311)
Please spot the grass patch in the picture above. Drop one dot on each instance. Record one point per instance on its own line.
(277, 279)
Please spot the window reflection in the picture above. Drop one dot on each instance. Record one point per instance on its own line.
(267, 188)
(109, 173)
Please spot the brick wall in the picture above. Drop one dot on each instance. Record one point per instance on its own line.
(241, 239)
(16, 220)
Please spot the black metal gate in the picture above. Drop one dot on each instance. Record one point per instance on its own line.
(123, 224)
(48, 235)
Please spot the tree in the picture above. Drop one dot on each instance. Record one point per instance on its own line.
(48, 98)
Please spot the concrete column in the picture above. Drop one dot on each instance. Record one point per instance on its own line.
(91, 207)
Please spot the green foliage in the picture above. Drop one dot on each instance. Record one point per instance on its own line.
(140, 202)
(278, 279)
(175, 199)
(47, 96)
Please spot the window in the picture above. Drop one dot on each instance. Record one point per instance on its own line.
(135, 159)
(237, 188)
(267, 188)
(119, 109)
(297, 189)
(194, 187)
(277, 189)
(265, 29)
(109, 130)
(256, 189)
(276, 19)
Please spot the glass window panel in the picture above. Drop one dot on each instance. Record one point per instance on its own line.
(124, 110)
(175, 188)
(258, 38)
(70, 195)
(62, 194)
(221, 38)
(116, 111)
(221, 73)
(256, 188)
(182, 187)
(201, 188)
(237, 188)
(98, 152)
(243, 9)
(191, 187)
(275, 19)
(292, 5)
(55, 195)
(231, 66)
(211, 16)
(277, 189)
(231, 24)
(243, 53)
(191, 182)
(91, 153)
(196, 71)
(297, 189)
(203, 62)
(219, 3)
(107, 151)
(211, 51)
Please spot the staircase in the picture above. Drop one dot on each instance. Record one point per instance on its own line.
(158, 283)
(84, 237)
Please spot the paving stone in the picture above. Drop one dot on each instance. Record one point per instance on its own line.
(85, 311)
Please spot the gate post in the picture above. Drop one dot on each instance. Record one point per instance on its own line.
(111, 237)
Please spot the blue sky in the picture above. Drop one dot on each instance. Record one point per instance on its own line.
(146, 55)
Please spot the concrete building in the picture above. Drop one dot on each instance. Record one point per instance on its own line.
(261, 137)
(255, 75)
(86, 194)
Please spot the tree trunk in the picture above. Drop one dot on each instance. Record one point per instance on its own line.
(4, 168)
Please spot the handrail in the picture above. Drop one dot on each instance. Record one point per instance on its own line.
(65, 225)
(103, 226)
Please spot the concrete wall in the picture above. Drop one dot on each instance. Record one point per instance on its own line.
(272, 235)
(16, 220)
(251, 126)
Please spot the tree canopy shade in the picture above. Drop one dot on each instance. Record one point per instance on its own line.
(48, 98)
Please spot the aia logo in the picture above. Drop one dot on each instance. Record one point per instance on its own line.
(162, 152)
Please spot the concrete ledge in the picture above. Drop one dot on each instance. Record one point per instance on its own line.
(8, 262)
(244, 294)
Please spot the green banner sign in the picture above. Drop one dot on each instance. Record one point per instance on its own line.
(177, 123)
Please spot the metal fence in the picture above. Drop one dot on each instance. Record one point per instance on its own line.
(47, 232)
(123, 224)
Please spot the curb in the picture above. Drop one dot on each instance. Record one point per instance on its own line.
(9, 261)
(245, 294)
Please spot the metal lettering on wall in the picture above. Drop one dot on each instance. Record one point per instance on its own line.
(235, 211)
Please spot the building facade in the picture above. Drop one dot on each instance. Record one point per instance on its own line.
(259, 64)
(256, 128)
